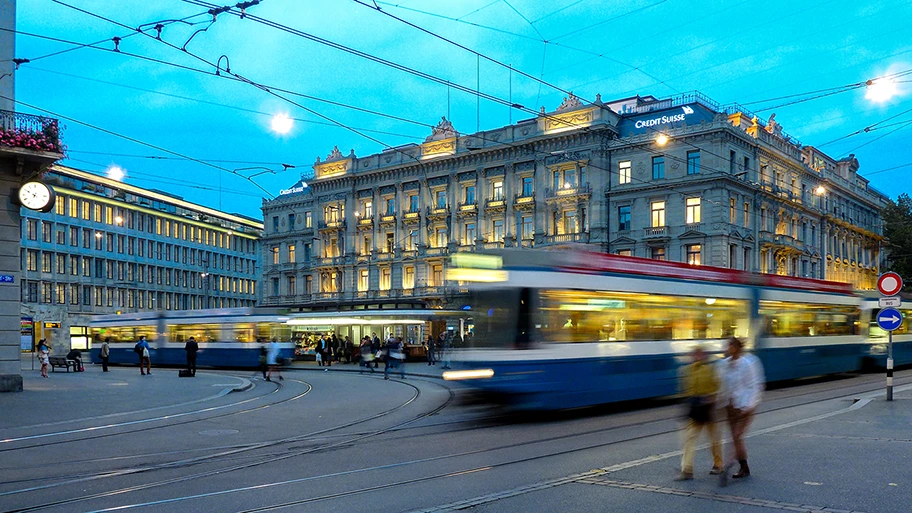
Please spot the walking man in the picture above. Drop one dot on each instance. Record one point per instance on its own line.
(700, 386)
(395, 358)
(192, 348)
(431, 351)
(742, 385)
(142, 348)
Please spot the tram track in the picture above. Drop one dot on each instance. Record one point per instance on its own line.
(464, 471)
(223, 470)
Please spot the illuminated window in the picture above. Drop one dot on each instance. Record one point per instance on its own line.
(292, 286)
(308, 219)
(658, 214)
(624, 252)
(31, 228)
(657, 253)
(436, 275)
(366, 245)
(497, 190)
(440, 237)
(86, 207)
(624, 218)
(441, 199)
(363, 280)
(624, 172)
(528, 230)
(368, 209)
(275, 254)
(291, 253)
(408, 277)
(693, 253)
(692, 210)
(385, 278)
(390, 242)
(60, 206)
(469, 234)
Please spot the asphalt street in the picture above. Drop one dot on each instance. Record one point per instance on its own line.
(337, 440)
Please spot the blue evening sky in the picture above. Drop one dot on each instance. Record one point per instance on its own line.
(732, 51)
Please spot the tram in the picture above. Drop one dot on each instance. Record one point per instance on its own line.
(231, 337)
(569, 329)
(876, 339)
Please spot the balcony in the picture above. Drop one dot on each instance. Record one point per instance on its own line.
(411, 217)
(583, 191)
(565, 238)
(492, 245)
(338, 224)
(524, 201)
(388, 219)
(365, 222)
(495, 205)
(655, 232)
(467, 209)
(436, 251)
(29, 132)
(527, 243)
(438, 213)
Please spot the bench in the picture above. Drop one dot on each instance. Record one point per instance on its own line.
(61, 361)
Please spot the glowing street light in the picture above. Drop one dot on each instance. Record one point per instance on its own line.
(661, 139)
(880, 90)
(281, 123)
(820, 190)
(116, 173)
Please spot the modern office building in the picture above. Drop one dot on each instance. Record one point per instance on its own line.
(110, 247)
(682, 179)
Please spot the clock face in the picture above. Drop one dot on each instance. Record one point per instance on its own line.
(36, 196)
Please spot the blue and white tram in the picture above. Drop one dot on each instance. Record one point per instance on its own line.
(875, 351)
(227, 337)
(570, 329)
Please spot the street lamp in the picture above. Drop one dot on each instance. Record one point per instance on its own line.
(661, 139)
(281, 123)
(880, 90)
(820, 190)
(116, 173)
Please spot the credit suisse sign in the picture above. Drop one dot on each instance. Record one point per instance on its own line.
(673, 117)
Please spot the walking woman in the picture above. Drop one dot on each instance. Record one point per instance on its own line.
(742, 385)
(44, 352)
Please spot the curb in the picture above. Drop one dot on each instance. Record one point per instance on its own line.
(246, 385)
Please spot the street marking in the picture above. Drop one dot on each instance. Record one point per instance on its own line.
(812, 483)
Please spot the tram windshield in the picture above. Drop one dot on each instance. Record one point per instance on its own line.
(785, 319)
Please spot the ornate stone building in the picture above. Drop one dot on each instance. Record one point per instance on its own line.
(681, 179)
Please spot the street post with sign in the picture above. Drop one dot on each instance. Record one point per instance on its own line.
(889, 284)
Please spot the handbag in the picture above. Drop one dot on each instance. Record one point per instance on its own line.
(699, 410)
(145, 353)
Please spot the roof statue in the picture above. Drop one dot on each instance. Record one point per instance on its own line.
(773, 127)
(443, 130)
(334, 154)
(570, 102)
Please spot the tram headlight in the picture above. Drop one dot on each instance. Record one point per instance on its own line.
(468, 374)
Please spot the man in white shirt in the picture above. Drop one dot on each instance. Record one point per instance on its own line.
(742, 386)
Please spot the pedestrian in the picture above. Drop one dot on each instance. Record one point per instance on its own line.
(44, 354)
(443, 344)
(395, 358)
(327, 351)
(272, 359)
(334, 346)
(367, 355)
(700, 387)
(742, 386)
(142, 349)
(192, 348)
(104, 354)
(349, 349)
(431, 347)
(375, 347)
(76, 356)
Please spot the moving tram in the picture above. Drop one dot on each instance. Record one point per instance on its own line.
(569, 329)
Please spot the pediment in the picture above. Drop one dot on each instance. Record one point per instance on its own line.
(623, 240)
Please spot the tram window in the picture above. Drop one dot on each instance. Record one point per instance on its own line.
(123, 334)
(495, 316)
(783, 319)
(201, 332)
(598, 316)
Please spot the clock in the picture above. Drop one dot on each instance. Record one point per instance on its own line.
(37, 195)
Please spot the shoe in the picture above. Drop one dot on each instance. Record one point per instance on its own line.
(742, 474)
(684, 476)
(715, 471)
(267, 379)
(386, 377)
(281, 378)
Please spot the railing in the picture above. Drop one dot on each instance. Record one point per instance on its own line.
(366, 221)
(389, 218)
(468, 207)
(581, 189)
(492, 245)
(495, 203)
(521, 198)
(437, 212)
(436, 251)
(656, 231)
(567, 237)
(28, 131)
(324, 225)
(527, 243)
(675, 101)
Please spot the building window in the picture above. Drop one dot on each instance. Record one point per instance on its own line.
(437, 275)
(275, 224)
(440, 237)
(527, 189)
(657, 253)
(569, 222)
(624, 218)
(275, 254)
(385, 278)
(732, 256)
(731, 210)
(497, 190)
(693, 162)
(31, 257)
(692, 210)
(413, 240)
(624, 175)
(308, 219)
(74, 265)
(46, 228)
(60, 206)
(413, 202)
(61, 293)
(658, 168)
(624, 252)
(366, 245)
(45, 262)
(528, 230)
(390, 242)
(408, 277)
(470, 235)
(693, 254)
(363, 280)
(291, 253)
(732, 156)
(440, 201)
(31, 228)
(390, 206)
(61, 263)
(497, 230)
(308, 285)
(658, 214)
(747, 207)
(367, 209)
(469, 195)
(275, 286)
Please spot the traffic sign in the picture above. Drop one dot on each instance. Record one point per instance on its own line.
(889, 319)
(889, 284)
(889, 302)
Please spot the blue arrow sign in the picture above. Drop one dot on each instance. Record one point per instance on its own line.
(889, 319)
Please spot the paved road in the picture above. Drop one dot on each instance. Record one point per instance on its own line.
(339, 441)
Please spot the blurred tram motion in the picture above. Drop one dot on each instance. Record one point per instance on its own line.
(569, 329)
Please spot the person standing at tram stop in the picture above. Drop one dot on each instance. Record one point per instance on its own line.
(142, 349)
(443, 345)
(367, 355)
(700, 387)
(375, 346)
(395, 358)
(44, 355)
(192, 348)
(431, 347)
(742, 387)
(104, 354)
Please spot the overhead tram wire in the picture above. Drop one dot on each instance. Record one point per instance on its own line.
(866, 129)
(134, 140)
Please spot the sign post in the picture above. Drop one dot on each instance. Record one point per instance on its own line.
(889, 284)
